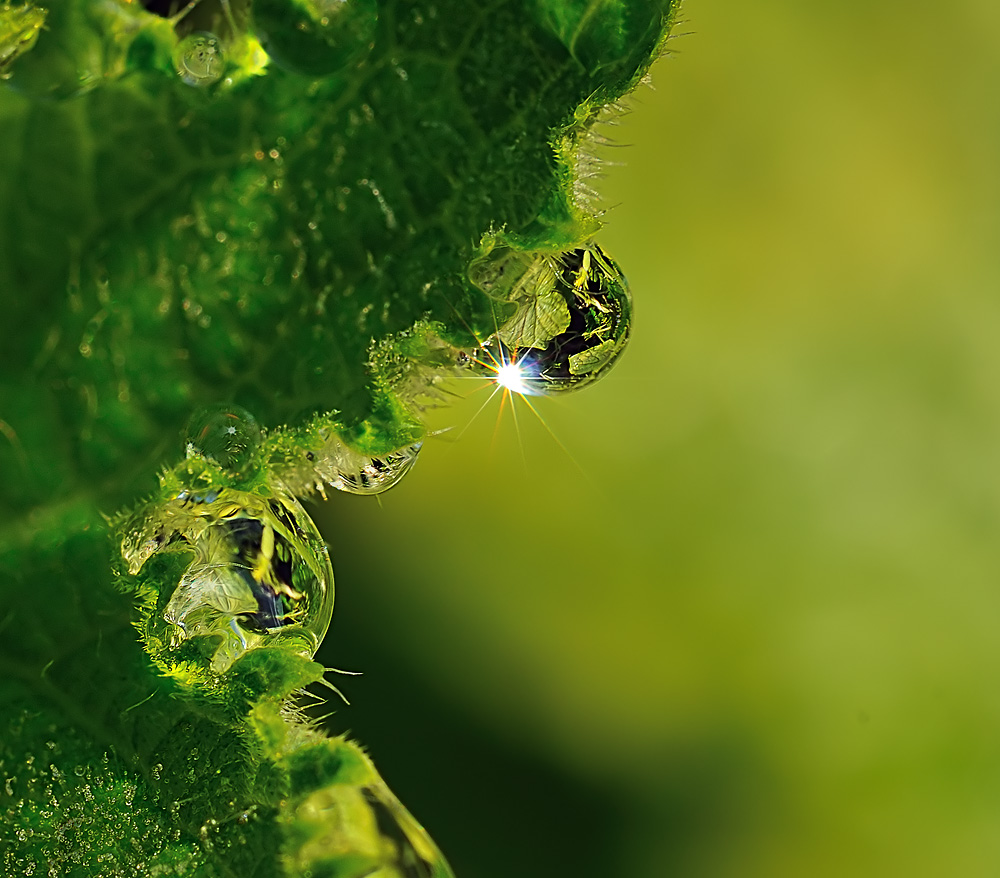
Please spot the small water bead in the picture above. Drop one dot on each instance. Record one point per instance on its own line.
(229, 435)
(199, 59)
(573, 320)
(378, 474)
(316, 37)
(335, 464)
(258, 572)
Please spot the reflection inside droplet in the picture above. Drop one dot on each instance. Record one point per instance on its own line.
(258, 571)
(331, 463)
(377, 474)
(573, 319)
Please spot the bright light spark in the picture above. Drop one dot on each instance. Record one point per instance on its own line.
(511, 377)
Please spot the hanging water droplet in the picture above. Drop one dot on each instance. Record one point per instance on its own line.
(229, 435)
(377, 474)
(316, 37)
(573, 319)
(257, 572)
(199, 59)
(331, 462)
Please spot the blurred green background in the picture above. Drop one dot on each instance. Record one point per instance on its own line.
(745, 624)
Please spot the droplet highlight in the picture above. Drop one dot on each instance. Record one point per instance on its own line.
(572, 321)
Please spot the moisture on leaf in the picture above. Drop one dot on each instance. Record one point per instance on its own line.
(241, 243)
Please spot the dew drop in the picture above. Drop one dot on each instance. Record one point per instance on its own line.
(316, 37)
(257, 572)
(332, 463)
(376, 474)
(573, 319)
(199, 59)
(229, 435)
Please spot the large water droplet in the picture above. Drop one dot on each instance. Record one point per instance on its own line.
(199, 59)
(257, 572)
(316, 37)
(573, 319)
(229, 435)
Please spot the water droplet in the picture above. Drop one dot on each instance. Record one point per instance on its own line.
(199, 59)
(331, 462)
(229, 435)
(258, 572)
(376, 474)
(572, 323)
(316, 37)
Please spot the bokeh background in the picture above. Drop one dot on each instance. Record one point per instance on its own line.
(744, 620)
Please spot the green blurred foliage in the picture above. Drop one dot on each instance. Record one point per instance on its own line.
(744, 624)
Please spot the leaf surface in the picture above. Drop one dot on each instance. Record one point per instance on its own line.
(279, 216)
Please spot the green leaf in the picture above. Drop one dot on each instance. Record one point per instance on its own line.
(280, 223)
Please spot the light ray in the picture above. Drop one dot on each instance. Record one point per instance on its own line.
(555, 438)
(479, 411)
